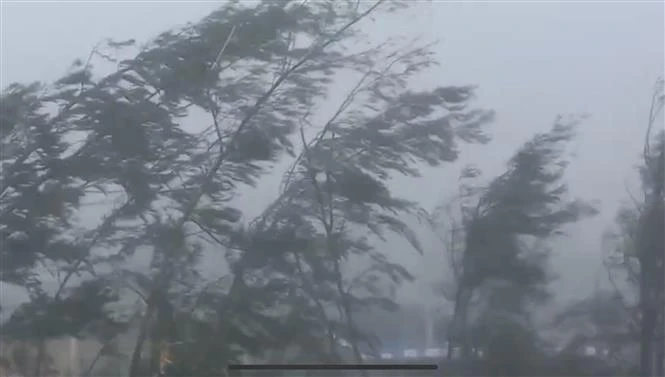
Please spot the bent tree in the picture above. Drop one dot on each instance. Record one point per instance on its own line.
(119, 186)
(638, 248)
(499, 250)
(336, 194)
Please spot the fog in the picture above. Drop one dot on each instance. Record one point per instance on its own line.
(530, 61)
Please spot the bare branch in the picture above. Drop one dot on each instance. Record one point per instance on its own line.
(656, 106)
(221, 52)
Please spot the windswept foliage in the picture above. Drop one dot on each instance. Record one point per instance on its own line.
(637, 247)
(111, 193)
(500, 258)
(122, 216)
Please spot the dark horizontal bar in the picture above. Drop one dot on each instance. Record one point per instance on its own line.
(333, 367)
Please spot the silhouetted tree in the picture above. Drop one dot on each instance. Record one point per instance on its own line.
(501, 253)
(116, 144)
(638, 244)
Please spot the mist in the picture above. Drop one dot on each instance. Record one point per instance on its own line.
(527, 62)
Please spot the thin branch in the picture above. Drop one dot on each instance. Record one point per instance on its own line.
(346, 102)
(622, 300)
(87, 66)
(636, 203)
(209, 233)
(259, 104)
(655, 108)
(97, 234)
(221, 52)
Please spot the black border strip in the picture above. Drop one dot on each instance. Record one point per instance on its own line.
(383, 366)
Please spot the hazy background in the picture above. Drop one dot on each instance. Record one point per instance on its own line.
(531, 61)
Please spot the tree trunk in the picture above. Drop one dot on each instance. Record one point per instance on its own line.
(651, 249)
(457, 332)
(135, 363)
(332, 343)
(348, 316)
(41, 356)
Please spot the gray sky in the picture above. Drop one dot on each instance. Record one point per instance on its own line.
(531, 61)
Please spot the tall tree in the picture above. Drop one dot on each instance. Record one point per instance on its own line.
(253, 71)
(41, 195)
(506, 224)
(639, 247)
(338, 187)
(651, 246)
(256, 73)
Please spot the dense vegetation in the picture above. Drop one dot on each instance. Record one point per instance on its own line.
(119, 189)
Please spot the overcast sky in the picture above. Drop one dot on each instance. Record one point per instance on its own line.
(531, 61)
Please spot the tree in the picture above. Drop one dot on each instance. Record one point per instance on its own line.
(639, 247)
(39, 199)
(651, 248)
(500, 255)
(134, 144)
(604, 320)
(167, 190)
(338, 182)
